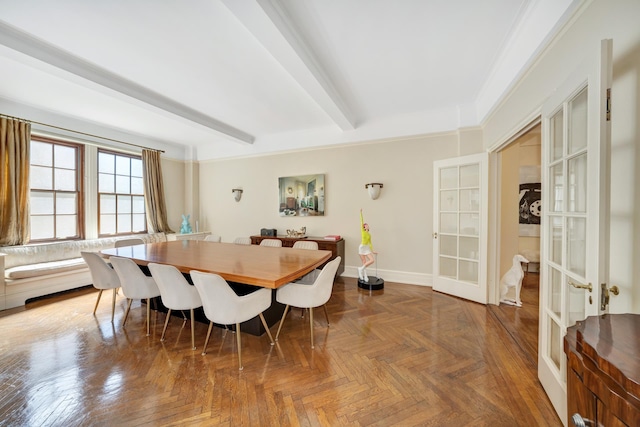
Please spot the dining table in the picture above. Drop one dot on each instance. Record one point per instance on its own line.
(244, 267)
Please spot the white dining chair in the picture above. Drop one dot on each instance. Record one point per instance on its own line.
(242, 241)
(311, 276)
(135, 285)
(213, 238)
(309, 296)
(128, 242)
(103, 277)
(176, 294)
(273, 243)
(223, 306)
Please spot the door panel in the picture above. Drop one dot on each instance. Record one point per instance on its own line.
(460, 218)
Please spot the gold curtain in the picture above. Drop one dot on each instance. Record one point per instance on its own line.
(154, 192)
(15, 140)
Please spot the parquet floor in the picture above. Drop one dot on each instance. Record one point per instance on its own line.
(402, 356)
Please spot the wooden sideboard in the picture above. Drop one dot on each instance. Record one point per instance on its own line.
(335, 246)
(603, 371)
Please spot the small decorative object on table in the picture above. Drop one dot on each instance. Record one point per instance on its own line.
(186, 227)
(298, 234)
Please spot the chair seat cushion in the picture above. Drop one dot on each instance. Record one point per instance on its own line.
(44, 268)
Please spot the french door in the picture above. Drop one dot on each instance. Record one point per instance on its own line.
(575, 137)
(460, 224)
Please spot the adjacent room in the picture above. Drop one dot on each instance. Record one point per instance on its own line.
(283, 212)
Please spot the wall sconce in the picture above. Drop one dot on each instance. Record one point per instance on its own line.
(374, 189)
(237, 194)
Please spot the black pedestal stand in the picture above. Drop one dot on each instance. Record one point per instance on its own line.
(374, 283)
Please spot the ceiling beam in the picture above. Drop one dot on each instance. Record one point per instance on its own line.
(39, 49)
(268, 22)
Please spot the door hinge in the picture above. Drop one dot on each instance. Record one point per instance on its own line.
(609, 104)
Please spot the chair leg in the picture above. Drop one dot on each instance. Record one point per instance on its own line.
(126, 314)
(326, 314)
(266, 328)
(148, 316)
(239, 341)
(193, 330)
(281, 321)
(166, 322)
(311, 324)
(97, 301)
(113, 303)
(206, 340)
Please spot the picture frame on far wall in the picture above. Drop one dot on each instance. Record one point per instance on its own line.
(302, 195)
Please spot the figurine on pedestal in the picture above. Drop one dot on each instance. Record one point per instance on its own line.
(366, 252)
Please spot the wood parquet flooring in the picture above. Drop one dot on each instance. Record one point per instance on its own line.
(401, 356)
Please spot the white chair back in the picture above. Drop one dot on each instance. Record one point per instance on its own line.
(213, 238)
(308, 296)
(128, 242)
(274, 243)
(176, 293)
(135, 284)
(305, 244)
(242, 241)
(104, 277)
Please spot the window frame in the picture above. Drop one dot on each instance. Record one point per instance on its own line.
(79, 192)
(116, 194)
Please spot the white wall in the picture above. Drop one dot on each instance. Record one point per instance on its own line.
(401, 219)
(618, 20)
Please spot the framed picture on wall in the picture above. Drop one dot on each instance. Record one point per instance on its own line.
(302, 195)
(530, 201)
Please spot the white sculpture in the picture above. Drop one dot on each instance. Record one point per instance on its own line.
(513, 279)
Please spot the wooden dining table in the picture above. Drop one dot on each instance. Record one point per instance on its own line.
(245, 267)
(254, 265)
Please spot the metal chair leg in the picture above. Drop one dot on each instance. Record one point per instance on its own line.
(193, 331)
(326, 314)
(126, 314)
(166, 322)
(266, 328)
(281, 321)
(239, 345)
(206, 340)
(148, 316)
(97, 301)
(311, 324)
(113, 303)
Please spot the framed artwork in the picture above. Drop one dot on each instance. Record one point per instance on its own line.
(530, 201)
(302, 195)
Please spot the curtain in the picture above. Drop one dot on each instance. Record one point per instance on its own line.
(15, 140)
(154, 192)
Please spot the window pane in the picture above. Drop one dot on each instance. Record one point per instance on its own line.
(469, 271)
(448, 223)
(123, 184)
(107, 224)
(557, 188)
(66, 226)
(556, 240)
(139, 222)
(470, 224)
(469, 247)
(137, 186)
(124, 223)
(41, 227)
(469, 200)
(449, 245)
(138, 204)
(470, 176)
(41, 153)
(577, 186)
(106, 163)
(449, 177)
(123, 165)
(65, 157)
(106, 183)
(578, 126)
(124, 205)
(65, 179)
(577, 247)
(449, 200)
(136, 167)
(41, 203)
(41, 178)
(66, 204)
(555, 296)
(448, 267)
(107, 204)
(557, 127)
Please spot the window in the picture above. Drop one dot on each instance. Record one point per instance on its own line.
(120, 194)
(55, 190)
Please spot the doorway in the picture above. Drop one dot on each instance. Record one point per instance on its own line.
(519, 234)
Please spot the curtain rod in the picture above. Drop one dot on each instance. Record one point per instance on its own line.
(80, 133)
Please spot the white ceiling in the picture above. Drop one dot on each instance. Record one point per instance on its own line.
(232, 78)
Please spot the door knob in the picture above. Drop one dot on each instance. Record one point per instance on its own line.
(604, 295)
(580, 286)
